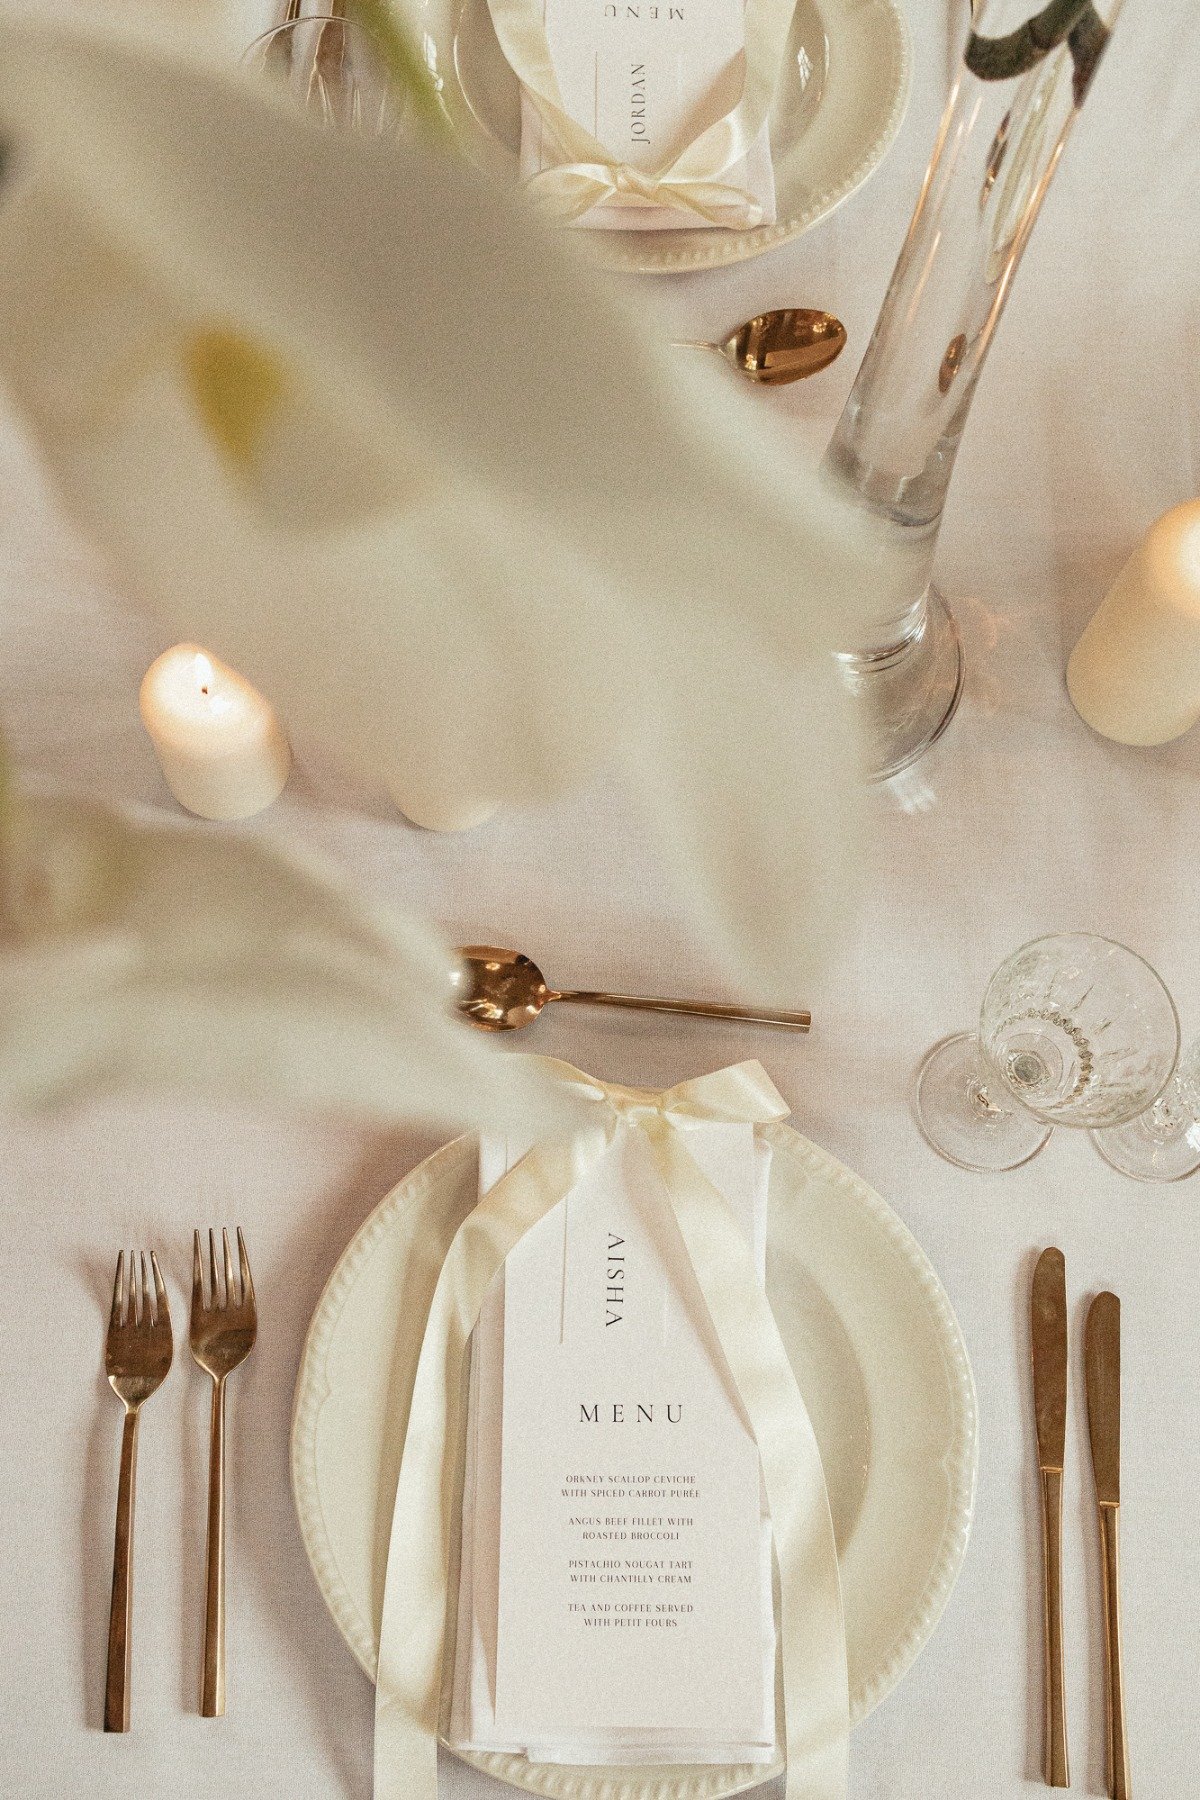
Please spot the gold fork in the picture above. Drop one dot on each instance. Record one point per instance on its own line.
(224, 1326)
(137, 1355)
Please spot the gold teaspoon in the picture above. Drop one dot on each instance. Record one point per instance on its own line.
(501, 990)
(782, 346)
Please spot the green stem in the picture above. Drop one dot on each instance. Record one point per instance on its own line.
(1088, 42)
(402, 63)
(998, 59)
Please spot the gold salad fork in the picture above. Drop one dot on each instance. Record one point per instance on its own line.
(224, 1326)
(137, 1356)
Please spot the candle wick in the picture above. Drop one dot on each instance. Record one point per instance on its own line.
(204, 690)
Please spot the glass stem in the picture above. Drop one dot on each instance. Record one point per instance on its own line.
(984, 1105)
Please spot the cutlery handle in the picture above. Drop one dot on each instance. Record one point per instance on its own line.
(212, 1691)
(695, 1009)
(120, 1618)
(1056, 1765)
(1118, 1748)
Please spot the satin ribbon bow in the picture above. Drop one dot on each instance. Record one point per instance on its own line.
(586, 172)
(572, 189)
(409, 1679)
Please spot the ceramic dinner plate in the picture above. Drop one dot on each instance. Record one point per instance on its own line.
(840, 99)
(878, 1354)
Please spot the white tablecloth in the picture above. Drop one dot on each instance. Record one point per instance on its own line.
(1086, 426)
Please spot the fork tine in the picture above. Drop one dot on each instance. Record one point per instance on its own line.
(197, 1274)
(214, 1298)
(247, 1278)
(147, 1310)
(131, 1291)
(118, 1305)
(231, 1297)
(161, 1309)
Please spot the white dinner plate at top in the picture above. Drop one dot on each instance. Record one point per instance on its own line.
(838, 105)
(876, 1349)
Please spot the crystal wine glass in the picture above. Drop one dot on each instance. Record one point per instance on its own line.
(1074, 1030)
(1162, 1143)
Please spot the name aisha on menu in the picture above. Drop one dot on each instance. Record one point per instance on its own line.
(622, 1412)
(614, 1293)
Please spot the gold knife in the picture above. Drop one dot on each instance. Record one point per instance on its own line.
(1102, 1360)
(1048, 1321)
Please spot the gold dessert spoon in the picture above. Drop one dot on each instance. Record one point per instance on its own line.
(777, 347)
(501, 990)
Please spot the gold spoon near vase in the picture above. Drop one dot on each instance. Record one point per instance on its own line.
(501, 990)
(778, 347)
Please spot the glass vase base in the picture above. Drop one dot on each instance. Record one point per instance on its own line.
(908, 692)
(1150, 1152)
(965, 1115)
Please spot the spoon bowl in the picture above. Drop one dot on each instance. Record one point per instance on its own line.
(502, 990)
(786, 345)
(498, 990)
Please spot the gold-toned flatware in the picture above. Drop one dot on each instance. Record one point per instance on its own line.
(224, 1327)
(501, 990)
(1048, 1333)
(137, 1356)
(777, 347)
(1102, 1362)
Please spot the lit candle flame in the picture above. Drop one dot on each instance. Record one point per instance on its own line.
(202, 669)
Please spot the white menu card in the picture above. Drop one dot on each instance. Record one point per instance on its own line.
(644, 77)
(615, 1589)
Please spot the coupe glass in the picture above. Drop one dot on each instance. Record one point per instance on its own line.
(1074, 1030)
(333, 69)
(1162, 1143)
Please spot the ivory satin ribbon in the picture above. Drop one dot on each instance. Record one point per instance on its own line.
(812, 1633)
(689, 181)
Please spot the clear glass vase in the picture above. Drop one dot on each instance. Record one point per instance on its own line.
(1019, 89)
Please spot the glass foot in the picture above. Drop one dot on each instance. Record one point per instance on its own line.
(908, 691)
(1161, 1144)
(965, 1113)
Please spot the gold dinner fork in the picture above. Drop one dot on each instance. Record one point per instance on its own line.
(137, 1355)
(224, 1326)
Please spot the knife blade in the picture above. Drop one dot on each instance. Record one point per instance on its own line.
(1049, 1331)
(1102, 1367)
(1102, 1362)
(1048, 1335)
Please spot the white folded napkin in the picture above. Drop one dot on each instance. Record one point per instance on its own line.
(683, 1511)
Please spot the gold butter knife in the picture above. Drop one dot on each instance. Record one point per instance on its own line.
(1048, 1321)
(1102, 1360)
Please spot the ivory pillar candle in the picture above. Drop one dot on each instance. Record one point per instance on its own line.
(1134, 675)
(219, 743)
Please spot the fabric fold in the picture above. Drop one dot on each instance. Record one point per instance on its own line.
(409, 1680)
